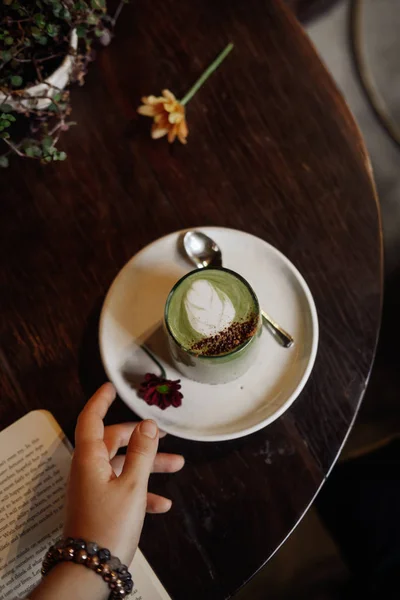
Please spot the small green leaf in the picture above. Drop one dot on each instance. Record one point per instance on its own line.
(98, 4)
(92, 19)
(98, 32)
(65, 14)
(57, 8)
(9, 40)
(81, 30)
(52, 30)
(4, 135)
(6, 55)
(47, 142)
(62, 156)
(4, 162)
(6, 119)
(6, 108)
(37, 151)
(39, 20)
(16, 80)
(29, 152)
(32, 150)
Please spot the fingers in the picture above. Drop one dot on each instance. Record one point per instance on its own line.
(157, 504)
(118, 436)
(168, 463)
(140, 455)
(163, 463)
(90, 427)
(117, 464)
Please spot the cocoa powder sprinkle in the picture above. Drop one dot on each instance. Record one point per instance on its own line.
(228, 339)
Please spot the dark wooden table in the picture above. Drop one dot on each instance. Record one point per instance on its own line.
(273, 150)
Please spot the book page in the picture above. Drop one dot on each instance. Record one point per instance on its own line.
(35, 458)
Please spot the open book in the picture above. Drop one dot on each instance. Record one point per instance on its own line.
(35, 457)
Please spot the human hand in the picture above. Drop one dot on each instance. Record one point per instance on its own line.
(107, 494)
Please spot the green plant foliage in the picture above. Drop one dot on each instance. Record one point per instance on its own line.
(35, 37)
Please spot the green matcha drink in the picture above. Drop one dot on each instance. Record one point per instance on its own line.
(212, 317)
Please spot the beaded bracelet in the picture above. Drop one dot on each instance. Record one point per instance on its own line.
(115, 574)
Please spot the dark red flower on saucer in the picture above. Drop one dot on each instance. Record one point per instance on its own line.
(160, 391)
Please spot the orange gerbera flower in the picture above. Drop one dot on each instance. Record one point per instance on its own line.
(168, 114)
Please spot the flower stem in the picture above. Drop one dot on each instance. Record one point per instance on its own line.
(153, 358)
(203, 78)
(118, 12)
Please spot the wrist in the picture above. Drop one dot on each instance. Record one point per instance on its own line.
(95, 559)
(113, 537)
(67, 579)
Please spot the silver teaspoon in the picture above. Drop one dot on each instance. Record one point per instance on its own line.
(204, 252)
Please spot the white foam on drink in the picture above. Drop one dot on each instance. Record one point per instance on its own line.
(208, 312)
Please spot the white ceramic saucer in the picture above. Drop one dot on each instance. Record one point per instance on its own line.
(133, 311)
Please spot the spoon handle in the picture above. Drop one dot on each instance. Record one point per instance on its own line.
(283, 336)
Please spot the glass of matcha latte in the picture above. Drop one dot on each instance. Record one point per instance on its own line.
(213, 322)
